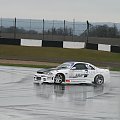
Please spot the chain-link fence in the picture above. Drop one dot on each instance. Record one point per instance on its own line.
(42, 29)
(107, 33)
(103, 33)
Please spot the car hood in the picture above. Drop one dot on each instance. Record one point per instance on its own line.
(45, 71)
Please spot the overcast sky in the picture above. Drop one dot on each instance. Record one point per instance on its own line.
(80, 10)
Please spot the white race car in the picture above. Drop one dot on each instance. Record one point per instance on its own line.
(73, 73)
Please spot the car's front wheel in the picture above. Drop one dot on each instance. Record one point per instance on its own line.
(99, 79)
(59, 78)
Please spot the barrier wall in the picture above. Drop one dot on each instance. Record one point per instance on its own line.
(30, 42)
(115, 49)
(8, 41)
(46, 43)
(60, 44)
(92, 46)
(77, 45)
(104, 47)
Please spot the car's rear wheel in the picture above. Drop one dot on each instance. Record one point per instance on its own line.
(99, 79)
(59, 78)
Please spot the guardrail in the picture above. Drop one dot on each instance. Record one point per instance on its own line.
(60, 44)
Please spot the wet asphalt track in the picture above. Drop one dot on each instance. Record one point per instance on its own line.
(20, 99)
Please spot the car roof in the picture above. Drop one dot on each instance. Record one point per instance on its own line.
(74, 62)
(77, 62)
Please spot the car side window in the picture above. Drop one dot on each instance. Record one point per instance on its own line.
(90, 67)
(80, 66)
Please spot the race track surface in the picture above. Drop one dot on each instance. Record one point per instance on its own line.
(20, 99)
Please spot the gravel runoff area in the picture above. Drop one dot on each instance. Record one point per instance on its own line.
(24, 62)
(29, 62)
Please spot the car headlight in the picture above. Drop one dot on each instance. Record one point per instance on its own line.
(50, 73)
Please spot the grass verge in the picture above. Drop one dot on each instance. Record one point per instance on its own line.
(44, 66)
(58, 55)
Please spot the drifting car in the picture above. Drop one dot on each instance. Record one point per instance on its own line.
(73, 73)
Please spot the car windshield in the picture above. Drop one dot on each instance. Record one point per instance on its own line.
(65, 65)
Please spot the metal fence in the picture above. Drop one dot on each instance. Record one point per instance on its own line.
(42, 29)
(57, 30)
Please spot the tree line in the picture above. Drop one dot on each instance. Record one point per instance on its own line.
(93, 31)
(55, 31)
(104, 31)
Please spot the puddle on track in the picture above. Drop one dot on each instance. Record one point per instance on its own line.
(20, 99)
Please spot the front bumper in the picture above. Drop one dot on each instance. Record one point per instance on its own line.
(43, 79)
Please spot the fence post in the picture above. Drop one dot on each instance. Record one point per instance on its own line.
(15, 28)
(73, 29)
(87, 31)
(53, 30)
(1, 28)
(43, 28)
(30, 24)
(64, 29)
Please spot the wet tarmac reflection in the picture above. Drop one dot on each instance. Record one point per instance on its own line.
(20, 99)
(71, 92)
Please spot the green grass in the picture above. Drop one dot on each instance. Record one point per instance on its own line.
(59, 55)
(56, 54)
(115, 69)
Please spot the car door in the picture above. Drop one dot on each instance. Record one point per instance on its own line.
(91, 71)
(79, 71)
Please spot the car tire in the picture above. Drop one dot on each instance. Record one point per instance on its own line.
(59, 78)
(99, 80)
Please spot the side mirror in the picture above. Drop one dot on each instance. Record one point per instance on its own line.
(74, 68)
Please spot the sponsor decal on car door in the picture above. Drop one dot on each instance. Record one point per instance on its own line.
(78, 71)
(91, 72)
